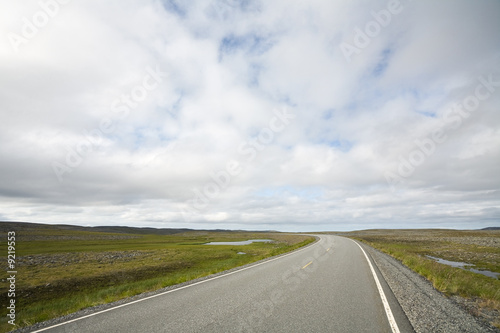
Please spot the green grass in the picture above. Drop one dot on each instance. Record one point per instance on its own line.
(475, 247)
(72, 270)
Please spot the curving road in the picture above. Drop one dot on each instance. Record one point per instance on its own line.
(326, 287)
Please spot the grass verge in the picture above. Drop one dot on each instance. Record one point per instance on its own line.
(480, 248)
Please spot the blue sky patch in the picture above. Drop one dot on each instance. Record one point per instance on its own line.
(342, 145)
(250, 43)
(427, 113)
(381, 66)
(174, 6)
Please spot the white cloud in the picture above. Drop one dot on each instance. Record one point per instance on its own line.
(74, 93)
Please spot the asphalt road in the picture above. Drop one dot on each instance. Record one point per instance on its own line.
(326, 287)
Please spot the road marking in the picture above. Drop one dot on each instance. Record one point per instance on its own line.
(307, 265)
(173, 290)
(388, 312)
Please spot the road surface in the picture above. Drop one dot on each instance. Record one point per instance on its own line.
(326, 287)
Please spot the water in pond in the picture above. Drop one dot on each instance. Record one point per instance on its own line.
(450, 263)
(466, 266)
(250, 241)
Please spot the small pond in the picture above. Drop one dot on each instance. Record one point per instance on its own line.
(466, 266)
(250, 241)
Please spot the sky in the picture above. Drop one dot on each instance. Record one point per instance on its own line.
(258, 115)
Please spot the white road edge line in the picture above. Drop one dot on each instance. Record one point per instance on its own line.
(173, 290)
(388, 312)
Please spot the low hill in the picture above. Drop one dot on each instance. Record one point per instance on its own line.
(28, 226)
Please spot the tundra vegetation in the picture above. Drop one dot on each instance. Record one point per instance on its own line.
(62, 269)
(478, 293)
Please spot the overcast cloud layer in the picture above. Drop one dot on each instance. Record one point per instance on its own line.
(284, 115)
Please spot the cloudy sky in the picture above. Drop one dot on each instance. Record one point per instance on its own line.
(283, 115)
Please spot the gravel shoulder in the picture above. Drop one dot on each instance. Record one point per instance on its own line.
(427, 309)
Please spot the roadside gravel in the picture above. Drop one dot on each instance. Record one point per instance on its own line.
(427, 309)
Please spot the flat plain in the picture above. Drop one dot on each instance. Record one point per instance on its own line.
(63, 269)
